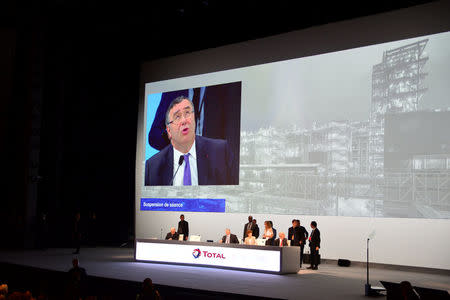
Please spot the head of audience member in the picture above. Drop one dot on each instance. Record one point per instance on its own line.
(21, 296)
(3, 289)
(254, 221)
(249, 233)
(267, 224)
(313, 224)
(294, 223)
(182, 217)
(250, 219)
(407, 290)
(227, 231)
(172, 230)
(180, 123)
(147, 287)
(281, 235)
(298, 223)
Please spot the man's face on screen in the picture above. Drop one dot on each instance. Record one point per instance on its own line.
(182, 132)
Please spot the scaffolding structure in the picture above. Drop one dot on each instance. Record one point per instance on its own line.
(338, 167)
(397, 87)
(360, 148)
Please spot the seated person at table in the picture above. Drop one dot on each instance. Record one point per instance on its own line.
(172, 235)
(268, 233)
(229, 238)
(282, 238)
(250, 239)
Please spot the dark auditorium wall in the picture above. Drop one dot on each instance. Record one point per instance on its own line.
(69, 90)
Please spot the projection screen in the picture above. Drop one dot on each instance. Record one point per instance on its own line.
(353, 136)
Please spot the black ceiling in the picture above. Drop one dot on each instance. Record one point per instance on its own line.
(164, 28)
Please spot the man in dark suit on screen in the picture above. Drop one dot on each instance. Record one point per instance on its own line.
(189, 159)
(314, 245)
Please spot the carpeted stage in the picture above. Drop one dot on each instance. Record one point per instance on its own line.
(117, 266)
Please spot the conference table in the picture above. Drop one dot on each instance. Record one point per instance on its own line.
(267, 259)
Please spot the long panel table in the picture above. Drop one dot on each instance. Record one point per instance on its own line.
(268, 259)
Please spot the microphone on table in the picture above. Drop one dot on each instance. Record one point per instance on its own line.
(180, 162)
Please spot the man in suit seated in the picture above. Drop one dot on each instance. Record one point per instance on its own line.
(281, 239)
(172, 235)
(229, 238)
(189, 159)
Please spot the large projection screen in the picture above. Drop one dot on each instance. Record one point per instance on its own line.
(356, 139)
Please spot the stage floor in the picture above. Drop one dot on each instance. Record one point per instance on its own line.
(329, 282)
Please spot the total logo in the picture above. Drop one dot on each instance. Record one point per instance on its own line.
(197, 253)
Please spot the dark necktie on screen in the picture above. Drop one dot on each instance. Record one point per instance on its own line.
(187, 171)
(197, 109)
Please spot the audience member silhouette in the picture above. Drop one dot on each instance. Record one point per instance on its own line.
(148, 291)
(77, 281)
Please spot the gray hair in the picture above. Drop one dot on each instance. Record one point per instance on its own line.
(174, 102)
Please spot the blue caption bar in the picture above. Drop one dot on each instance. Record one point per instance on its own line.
(183, 204)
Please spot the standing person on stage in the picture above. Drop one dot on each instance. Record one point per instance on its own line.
(249, 226)
(172, 235)
(229, 238)
(303, 237)
(250, 239)
(268, 233)
(77, 233)
(183, 228)
(255, 232)
(314, 244)
(294, 236)
(281, 241)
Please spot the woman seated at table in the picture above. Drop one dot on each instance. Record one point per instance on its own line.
(268, 233)
(250, 239)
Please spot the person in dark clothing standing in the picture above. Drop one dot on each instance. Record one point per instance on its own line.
(294, 236)
(92, 229)
(183, 228)
(303, 237)
(256, 230)
(249, 226)
(77, 233)
(314, 245)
